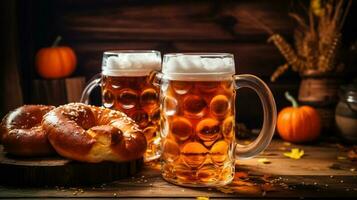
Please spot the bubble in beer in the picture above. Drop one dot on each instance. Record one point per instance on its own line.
(208, 87)
(194, 105)
(171, 150)
(181, 87)
(219, 105)
(219, 152)
(149, 133)
(149, 97)
(170, 106)
(207, 173)
(194, 154)
(108, 99)
(127, 98)
(181, 128)
(141, 118)
(208, 129)
(227, 127)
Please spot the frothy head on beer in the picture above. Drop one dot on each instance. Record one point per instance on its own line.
(198, 66)
(130, 63)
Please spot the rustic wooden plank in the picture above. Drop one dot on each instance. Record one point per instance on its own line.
(203, 20)
(317, 161)
(301, 177)
(156, 188)
(55, 170)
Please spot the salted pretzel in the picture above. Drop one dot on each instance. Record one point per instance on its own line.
(93, 134)
(22, 133)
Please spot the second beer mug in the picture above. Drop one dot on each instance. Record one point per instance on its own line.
(125, 87)
(198, 116)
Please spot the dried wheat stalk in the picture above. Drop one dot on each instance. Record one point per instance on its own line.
(317, 40)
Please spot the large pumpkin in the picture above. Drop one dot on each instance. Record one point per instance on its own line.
(298, 123)
(55, 61)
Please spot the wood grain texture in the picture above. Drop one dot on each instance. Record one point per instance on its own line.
(306, 178)
(10, 87)
(74, 88)
(57, 91)
(58, 171)
(193, 20)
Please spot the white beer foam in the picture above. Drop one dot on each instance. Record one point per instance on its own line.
(129, 63)
(197, 65)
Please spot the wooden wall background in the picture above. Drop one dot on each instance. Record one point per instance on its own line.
(11, 94)
(93, 26)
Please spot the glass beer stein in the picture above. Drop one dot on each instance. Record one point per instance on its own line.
(125, 87)
(198, 116)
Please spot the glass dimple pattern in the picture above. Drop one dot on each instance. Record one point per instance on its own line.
(138, 98)
(197, 144)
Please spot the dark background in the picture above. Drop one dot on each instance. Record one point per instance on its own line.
(93, 26)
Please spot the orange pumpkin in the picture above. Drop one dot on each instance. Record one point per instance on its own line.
(298, 124)
(55, 61)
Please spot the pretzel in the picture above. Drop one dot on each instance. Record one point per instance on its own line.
(22, 133)
(93, 134)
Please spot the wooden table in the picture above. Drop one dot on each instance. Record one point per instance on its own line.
(324, 171)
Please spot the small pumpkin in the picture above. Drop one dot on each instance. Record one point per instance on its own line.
(298, 124)
(56, 61)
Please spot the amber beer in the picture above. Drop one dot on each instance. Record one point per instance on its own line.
(198, 116)
(199, 133)
(126, 87)
(139, 99)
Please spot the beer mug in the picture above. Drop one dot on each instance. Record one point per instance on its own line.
(197, 98)
(125, 87)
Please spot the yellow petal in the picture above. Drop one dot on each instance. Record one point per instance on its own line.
(295, 153)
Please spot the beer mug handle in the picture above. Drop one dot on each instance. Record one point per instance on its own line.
(92, 83)
(269, 110)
